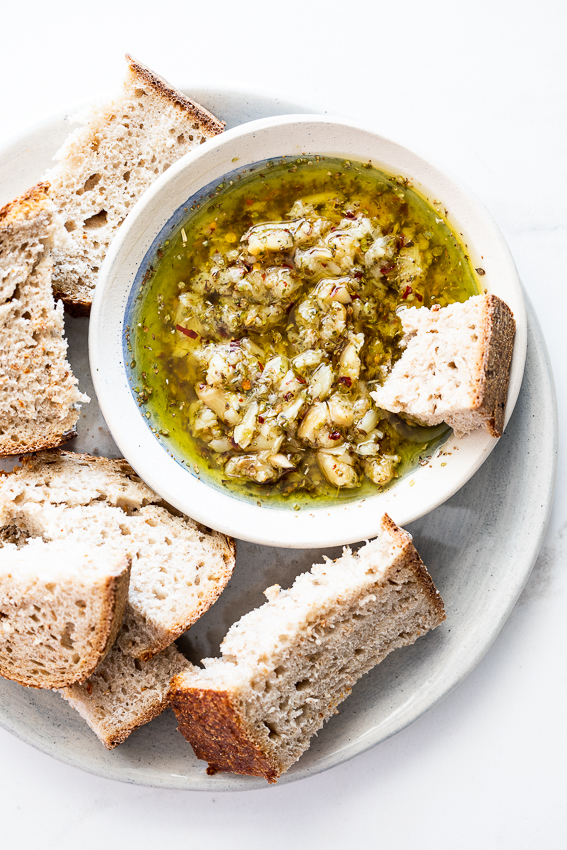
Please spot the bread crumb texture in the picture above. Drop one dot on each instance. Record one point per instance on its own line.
(39, 398)
(178, 568)
(106, 164)
(287, 665)
(124, 693)
(455, 367)
(61, 606)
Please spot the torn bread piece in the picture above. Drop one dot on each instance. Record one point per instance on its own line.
(124, 693)
(39, 399)
(179, 569)
(108, 163)
(61, 605)
(455, 367)
(287, 665)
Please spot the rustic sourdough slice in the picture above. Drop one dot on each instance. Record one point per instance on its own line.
(288, 664)
(455, 367)
(61, 605)
(124, 693)
(178, 568)
(108, 162)
(39, 399)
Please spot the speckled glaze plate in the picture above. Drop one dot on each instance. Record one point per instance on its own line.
(479, 546)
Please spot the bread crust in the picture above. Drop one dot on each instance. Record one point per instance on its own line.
(211, 125)
(211, 720)
(25, 205)
(213, 726)
(498, 336)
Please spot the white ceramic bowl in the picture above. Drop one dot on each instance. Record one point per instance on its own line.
(155, 217)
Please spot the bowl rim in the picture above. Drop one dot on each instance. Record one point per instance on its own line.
(284, 527)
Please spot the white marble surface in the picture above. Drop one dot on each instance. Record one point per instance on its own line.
(481, 88)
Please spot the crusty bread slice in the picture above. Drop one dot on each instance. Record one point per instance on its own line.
(455, 367)
(124, 693)
(106, 165)
(61, 605)
(178, 568)
(39, 399)
(287, 665)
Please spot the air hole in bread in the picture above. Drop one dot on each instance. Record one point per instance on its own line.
(139, 93)
(302, 685)
(91, 182)
(190, 138)
(126, 176)
(474, 337)
(97, 220)
(26, 315)
(452, 365)
(273, 733)
(66, 640)
(80, 603)
(35, 618)
(138, 664)
(180, 139)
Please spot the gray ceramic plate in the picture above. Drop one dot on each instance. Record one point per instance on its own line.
(479, 546)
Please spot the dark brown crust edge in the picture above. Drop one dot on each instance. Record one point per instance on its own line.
(211, 721)
(499, 333)
(211, 124)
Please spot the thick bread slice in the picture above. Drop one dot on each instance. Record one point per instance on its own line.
(124, 693)
(38, 392)
(106, 165)
(287, 665)
(455, 367)
(61, 605)
(178, 568)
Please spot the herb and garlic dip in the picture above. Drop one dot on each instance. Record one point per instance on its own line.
(272, 312)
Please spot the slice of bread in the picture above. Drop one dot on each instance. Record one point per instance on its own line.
(39, 399)
(455, 367)
(124, 693)
(287, 665)
(178, 568)
(61, 605)
(106, 165)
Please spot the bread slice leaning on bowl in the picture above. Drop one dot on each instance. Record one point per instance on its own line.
(287, 665)
(179, 568)
(107, 163)
(61, 606)
(455, 366)
(39, 399)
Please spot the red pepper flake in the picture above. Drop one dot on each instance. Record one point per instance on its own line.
(261, 420)
(287, 396)
(223, 333)
(233, 443)
(401, 240)
(346, 381)
(349, 214)
(287, 266)
(358, 275)
(246, 385)
(249, 202)
(290, 307)
(407, 291)
(261, 367)
(388, 268)
(419, 297)
(336, 435)
(355, 296)
(301, 380)
(187, 331)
